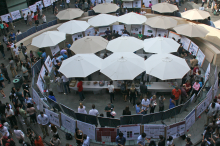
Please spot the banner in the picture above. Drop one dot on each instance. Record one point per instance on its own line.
(193, 49)
(5, 17)
(200, 57)
(15, 15)
(176, 130)
(190, 119)
(135, 29)
(53, 117)
(148, 31)
(154, 130)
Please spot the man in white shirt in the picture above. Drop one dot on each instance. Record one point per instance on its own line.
(66, 84)
(43, 120)
(145, 104)
(15, 50)
(111, 91)
(68, 3)
(9, 113)
(141, 139)
(94, 111)
(3, 131)
(86, 140)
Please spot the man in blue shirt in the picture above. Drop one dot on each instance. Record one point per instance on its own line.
(120, 139)
(10, 22)
(12, 35)
(68, 45)
(65, 56)
(44, 55)
(40, 8)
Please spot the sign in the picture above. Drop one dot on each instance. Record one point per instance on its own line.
(215, 87)
(77, 36)
(53, 117)
(25, 12)
(176, 130)
(5, 17)
(207, 73)
(185, 42)
(131, 132)
(90, 32)
(118, 28)
(174, 35)
(135, 29)
(48, 63)
(87, 129)
(190, 119)
(148, 31)
(137, 4)
(46, 3)
(162, 32)
(42, 72)
(40, 84)
(102, 30)
(193, 48)
(55, 49)
(154, 130)
(200, 57)
(15, 15)
(127, 4)
(68, 123)
(33, 8)
(36, 97)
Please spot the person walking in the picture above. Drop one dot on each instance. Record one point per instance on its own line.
(18, 133)
(63, 4)
(145, 104)
(124, 91)
(2, 50)
(80, 90)
(66, 84)
(111, 91)
(30, 135)
(212, 111)
(47, 81)
(44, 18)
(43, 120)
(23, 114)
(161, 103)
(126, 111)
(59, 83)
(153, 103)
(108, 109)
(25, 87)
(82, 109)
(38, 141)
(183, 94)
(196, 87)
(176, 92)
(25, 71)
(5, 73)
(10, 22)
(12, 67)
(40, 9)
(9, 114)
(172, 102)
(120, 139)
(68, 3)
(78, 136)
(20, 96)
(54, 130)
(162, 141)
(23, 49)
(29, 19)
(94, 111)
(55, 141)
(133, 93)
(32, 113)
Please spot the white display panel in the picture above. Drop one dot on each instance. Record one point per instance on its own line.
(127, 4)
(77, 35)
(174, 35)
(185, 42)
(40, 84)
(42, 72)
(176, 130)
(48, 63)
(207, 73)
(33, 8)
(131, 132)
(36, 97)
(148, 31)
(68, 123)
(154, 130)
(190, 119)
(135, 29)
(53, 117)
(55, 49)
(87, 129)
(46, 3)
(193, 48)
(5, 17)
(15, 15)
(200, 57)
(25, 11)
(162, 32)
(90, 32)
(118, 28)
(137, 4)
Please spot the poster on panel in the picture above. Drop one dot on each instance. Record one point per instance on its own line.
(185, 42)
(48, 63)
(127, 4)
(216, 72)
(68, 123)
(87, 129)
(102, 30)
(216, 87)
(200, 57)
(40, 84)
(38, 3)
(24, 12)
(15, 15)
(190, 119)
(53, 117)
(146, 3)
(148, 31)
(207, 73)
(193, 48)
(131, 132)
(135, 29)
(90, 32)
(154, 130)
(174, 35)
(176, 130)
(47, 3)
(5, 17)
(77, 36)
(162, 32)
(55, 49)
(118, 28)
(43, 71)
(36, 97)
(33, 8)
(137, 4)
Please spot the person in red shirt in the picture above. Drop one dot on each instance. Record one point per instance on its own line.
(38, 141)
(195, 69)
(176, 92)
(80, 90)
(36, 19)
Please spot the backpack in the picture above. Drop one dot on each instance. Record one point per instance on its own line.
(11, 142)
(122, 87)
(69, 136)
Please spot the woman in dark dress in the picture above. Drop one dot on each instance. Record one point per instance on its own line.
(79, 136)
(133, 93)
(126, 111)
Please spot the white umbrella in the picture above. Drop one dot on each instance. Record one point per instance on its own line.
(217, 24)
(160, 45)
(80, 65)
(125, 44)
(164, 8)
(166, 66)
(132, 18)
(73, 26)
(161, 22)
(105, 8)
(122, 66)
(195, 14)
(102, 20)
(48, 39)
(89, 44)
(69, 14)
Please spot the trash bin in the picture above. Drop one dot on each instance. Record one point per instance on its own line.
(20, 79)
(16, 83)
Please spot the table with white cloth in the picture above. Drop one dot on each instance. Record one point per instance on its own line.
(152, 86)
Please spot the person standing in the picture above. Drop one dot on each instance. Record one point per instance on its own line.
(38, 141)
(141, 139)
(172, 102)
(162, 141)
(18, 133)
(63, 4)
(23, 49)
(183, 94)
(133, 93)
(212, 111)
(80, 90)
(94, 111)
(153, 103)
(29, 19)
(124, 91)
(2, 27)
(193, 62)
(126, 111)
(176, 92)
(32, 113)
(51, 96)
(4, 131)
(25, 87)
(44, 18)
(2, 50)
(36, 19)
(12, 67)
(68, 3)
(20, 96)
(5, 72)
(10, 22)
(86, 140)
(23, 114)
(82, 109)
(40, 9)
(188, 142)
(196, 87)
(78, 136)
(55, 141)
(143, 90)
(25, 18)
(66, 84)
(25, 72)
(145, 104)
(120, 139)
(161, 103)
(108, 109)
(140, 36)
(43, 120)
(111, 91)
(9, 113)
(47, 81)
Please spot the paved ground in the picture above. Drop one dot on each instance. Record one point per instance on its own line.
(101, 100)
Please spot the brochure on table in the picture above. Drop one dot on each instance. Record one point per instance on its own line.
(185, 42)
(40, 84)
(174, 35)
(135, 29)
(77, 36)
(190, 119)
(131, 132)
(176, 130)
(33, 8)
(48, 63)
(90, 32)
(5, 17)
(68, 123)
(15, 15)
(102, 30)
(55, 49)
(127, 4)
(25, 11)
(193, 48)
(162, 32)
(87, 129)
(137, 4)
(148, 31)
(118, 28)
(53, 117)
(154, 130)
(200, 57)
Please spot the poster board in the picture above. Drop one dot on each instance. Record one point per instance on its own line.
(35, 96)
(154, 130)
(148, 31)
(131, 132)
(135, 29)
(146, 3)
(185, 42)
(216, 73)
(47, 3)
(162, 32)
(5, 17)
(102, 30)
(48, 63)
(15, 15)
(137, 4)
(68, 123)
(55, 49)
(40, 84)
(191, 99)
(109, 1)
(207, 73)
(38, 3)
(127, 4)
(42, 72)
(190, 119)
(154, 2)
(90, 32)
(87, 129)
(77, 35)
(176, 130)
(41, 104)
(33, 8)
(193, 48)
(216, 87)
(174, 35)
(200, 57)
(53, 117)
(25, 11)
(106, 134)
(118, 28)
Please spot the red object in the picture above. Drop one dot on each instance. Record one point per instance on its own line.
(1, 125)
(39, 142)
(79, 86)
(106, 132)
(199, 116)
(35, 17)
(195, 70)
(176, 93)
(187, 130)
